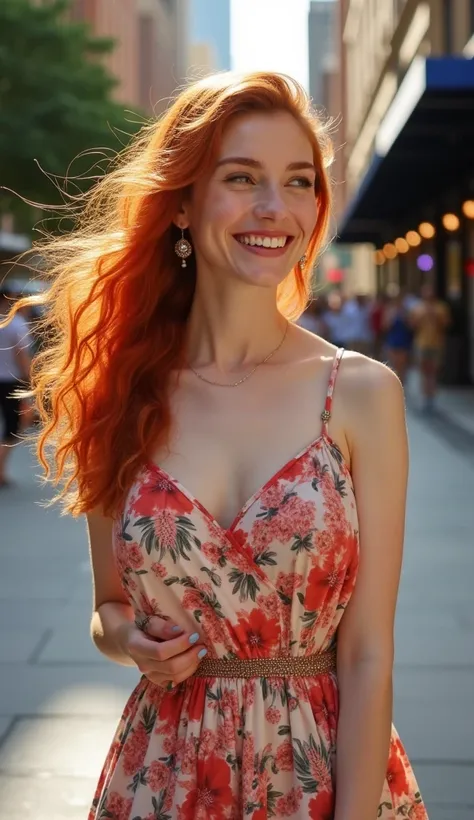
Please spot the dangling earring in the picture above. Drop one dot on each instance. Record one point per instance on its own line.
(303, 261)
(183, 249)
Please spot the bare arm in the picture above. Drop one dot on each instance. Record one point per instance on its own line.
(163, 652)
(112, 614)
(379, 456)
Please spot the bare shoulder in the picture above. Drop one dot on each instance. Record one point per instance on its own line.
(371, 398)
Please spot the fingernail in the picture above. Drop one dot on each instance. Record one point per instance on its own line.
(194, 637)
(202, 652)
(176, 629)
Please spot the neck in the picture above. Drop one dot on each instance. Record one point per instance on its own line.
(233, 328)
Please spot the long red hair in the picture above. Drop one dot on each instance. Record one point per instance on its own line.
(117, 306)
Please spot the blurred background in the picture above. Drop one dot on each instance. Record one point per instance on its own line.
(396, 77)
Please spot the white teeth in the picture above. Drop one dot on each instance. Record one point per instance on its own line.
(263, 241)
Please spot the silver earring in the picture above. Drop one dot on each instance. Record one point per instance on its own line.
(303, 261)
(183, 249)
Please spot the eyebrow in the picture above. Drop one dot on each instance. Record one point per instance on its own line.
(253, 163)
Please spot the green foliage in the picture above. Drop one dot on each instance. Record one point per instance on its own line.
(55, 103)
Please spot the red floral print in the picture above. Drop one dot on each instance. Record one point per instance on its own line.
(211, 795)
(276, 583)
(159, 492)
(257, 634)
(211, 551)
(396, 774)
(321, 807)
(159, 570)
(288, 805)
(165, 528)
(284, 756)
(273, 715)
(134, 750)
(118, 807)
(158, 774)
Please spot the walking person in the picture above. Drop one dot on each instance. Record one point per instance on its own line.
(398, 336)
(14, 370)
(218, 450)
(430, 319)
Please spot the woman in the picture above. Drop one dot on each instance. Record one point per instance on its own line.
(430, 319)
(179, 391)
(398, 336)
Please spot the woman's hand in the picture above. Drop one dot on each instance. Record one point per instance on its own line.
(163, 652)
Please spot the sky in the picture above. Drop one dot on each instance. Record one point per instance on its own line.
(272, 35)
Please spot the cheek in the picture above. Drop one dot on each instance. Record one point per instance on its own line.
(309, 216)
(221, 213)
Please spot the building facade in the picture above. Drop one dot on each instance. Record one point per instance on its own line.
(406, 89)
(322, 45)
(150, 58)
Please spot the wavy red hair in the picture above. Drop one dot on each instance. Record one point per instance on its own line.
(118, 302)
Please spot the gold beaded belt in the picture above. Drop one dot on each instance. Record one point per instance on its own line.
(282, 667)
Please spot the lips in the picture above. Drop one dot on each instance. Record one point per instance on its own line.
(267, 241)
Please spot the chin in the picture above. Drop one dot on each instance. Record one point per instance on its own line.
(262, 276)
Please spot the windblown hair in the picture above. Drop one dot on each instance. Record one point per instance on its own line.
(116, 310)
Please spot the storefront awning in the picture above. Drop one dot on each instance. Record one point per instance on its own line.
(423, 147)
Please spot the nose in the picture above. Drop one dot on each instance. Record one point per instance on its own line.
(270, 203)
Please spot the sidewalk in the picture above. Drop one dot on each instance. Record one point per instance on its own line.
(60, 699)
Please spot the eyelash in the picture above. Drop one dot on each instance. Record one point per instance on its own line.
(306, 182)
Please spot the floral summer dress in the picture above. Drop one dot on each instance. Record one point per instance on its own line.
(275, 583)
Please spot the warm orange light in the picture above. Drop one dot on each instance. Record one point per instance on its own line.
(390, 250)
(427, 230)
(468, 208)
(401, 245)
(379, 257)
(413, 238)
(451, 222)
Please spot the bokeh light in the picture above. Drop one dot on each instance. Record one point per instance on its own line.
(451, 222)
(379, 257)
(402, 245)
(468, 208)
(425, 262)
(413, 238)
(390, 250)
(427, 230)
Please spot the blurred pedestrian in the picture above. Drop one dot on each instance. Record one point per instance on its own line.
(180, 392)
(430, 320)
(398, 336)
(359, 311)
(377, 314)
(14, 373)
(313, 317)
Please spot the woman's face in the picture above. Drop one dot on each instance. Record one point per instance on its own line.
(252, 217)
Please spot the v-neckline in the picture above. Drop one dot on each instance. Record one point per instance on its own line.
(228, 531)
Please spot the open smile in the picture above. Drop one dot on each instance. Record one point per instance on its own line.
(264, 244)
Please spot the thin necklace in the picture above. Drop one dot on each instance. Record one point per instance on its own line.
(244, 379)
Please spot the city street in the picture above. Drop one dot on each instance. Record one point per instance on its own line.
(60, 699)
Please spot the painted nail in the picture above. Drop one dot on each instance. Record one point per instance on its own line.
(194, 637)
(176, 629)
(202, 653)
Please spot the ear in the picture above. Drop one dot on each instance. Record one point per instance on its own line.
(181, 219)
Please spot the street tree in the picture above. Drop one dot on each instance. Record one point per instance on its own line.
(55, 104)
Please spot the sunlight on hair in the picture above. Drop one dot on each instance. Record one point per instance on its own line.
(117, 306)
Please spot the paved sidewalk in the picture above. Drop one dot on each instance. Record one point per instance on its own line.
(60, 700)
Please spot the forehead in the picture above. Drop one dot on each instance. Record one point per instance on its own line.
(266, 137)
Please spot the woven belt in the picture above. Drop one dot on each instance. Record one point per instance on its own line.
(282, 667)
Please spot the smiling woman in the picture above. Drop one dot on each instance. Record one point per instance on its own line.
(188, 417)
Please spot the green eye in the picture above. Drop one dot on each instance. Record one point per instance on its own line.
(239, 178)
(302, 182)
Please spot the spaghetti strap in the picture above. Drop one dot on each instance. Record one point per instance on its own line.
(326, 414)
